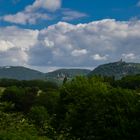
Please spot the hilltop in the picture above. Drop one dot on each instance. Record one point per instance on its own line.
(20, 73)
(118, 69)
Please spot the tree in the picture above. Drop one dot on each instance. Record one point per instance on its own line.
(91, 109)
(49, 100)
(38, 115)
(11, 94)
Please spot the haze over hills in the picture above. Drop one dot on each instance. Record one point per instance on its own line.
(118, 69)
(23, 73)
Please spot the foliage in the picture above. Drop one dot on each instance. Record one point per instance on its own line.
(94, 108)
(131, 82)
(22, 98)
(39, 115)
(91, 109)
(49, 100)
(15, 126)
(41, 84)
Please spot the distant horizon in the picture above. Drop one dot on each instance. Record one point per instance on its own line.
(51, 69)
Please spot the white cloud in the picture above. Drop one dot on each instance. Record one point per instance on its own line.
(88, 44)
(26, 18)
(17, 18)
(15, 44)
(72, 15)
(21, 38)
(79, 52)
(129, 56)
(98, 57)
(51, 5)
(42, 10)
(5, 45)
(31, 13)
(48, 43)
(67, 45)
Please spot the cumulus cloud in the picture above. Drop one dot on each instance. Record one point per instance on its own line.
(51, 5)
(31, 13)
(15, 44)
(43, 10)
(68, 45)
(87, 44)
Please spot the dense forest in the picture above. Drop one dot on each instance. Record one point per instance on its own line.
(85, 108)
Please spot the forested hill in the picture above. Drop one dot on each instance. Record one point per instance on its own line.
(67, 72)
(20, 73)
(118, 69)
(23, 73)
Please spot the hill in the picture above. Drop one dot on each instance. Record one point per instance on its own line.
(23, 73)
(20, 73)
(118, 69)
(70, 73)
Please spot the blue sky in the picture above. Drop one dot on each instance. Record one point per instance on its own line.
(94, 9)
(50, 34)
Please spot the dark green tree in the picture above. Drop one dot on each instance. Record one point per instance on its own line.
(91, 109)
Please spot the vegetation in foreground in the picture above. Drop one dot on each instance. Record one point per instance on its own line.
(97, 108)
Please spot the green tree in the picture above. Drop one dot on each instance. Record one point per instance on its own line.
(49, 100)
(11, 94)
(39, 115)
(90, 109)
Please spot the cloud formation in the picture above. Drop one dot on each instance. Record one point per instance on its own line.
(31, 14)
(43, 10)
(51, 5)
(15, 44)
(68, 45)
(26, 18)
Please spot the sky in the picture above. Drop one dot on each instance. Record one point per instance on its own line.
(52, 34)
